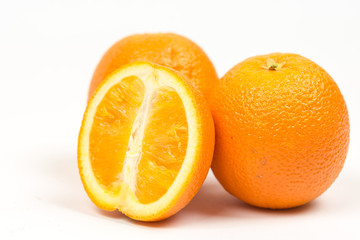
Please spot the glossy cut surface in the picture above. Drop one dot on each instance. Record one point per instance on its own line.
(146, 142)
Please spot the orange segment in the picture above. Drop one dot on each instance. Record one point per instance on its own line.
(164, 146)
(134, 141)
(112, 127)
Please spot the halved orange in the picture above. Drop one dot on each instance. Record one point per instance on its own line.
(146, 142)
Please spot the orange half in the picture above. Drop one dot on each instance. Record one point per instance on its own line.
(146, 142)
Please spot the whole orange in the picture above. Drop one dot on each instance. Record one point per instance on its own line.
(168, 49)
(282, 130)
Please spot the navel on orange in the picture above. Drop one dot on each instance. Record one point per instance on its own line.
(146, 142)
(282, 130)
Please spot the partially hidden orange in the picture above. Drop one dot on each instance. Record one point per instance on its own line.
(167, 49)
(282, 130)
(146, 142)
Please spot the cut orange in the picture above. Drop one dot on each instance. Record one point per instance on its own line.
(146, 142)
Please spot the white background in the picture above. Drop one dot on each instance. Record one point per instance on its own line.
(48, 51)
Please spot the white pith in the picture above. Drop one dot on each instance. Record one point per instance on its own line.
(132, 158)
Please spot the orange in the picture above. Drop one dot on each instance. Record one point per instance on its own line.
(167, 49)
(146, 142)
(282, 130)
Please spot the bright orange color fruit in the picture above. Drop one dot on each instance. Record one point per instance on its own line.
(146, 142)
(282, 130)
(167, 49)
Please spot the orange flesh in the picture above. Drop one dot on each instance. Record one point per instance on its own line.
(112, 127)
(163, 144)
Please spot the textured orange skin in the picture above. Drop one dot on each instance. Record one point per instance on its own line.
(167, 49)
(201, 164)
(281, 136)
